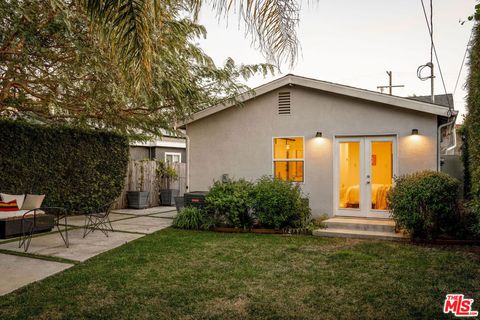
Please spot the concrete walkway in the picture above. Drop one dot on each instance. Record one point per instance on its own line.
(19, 271)
(128, 225)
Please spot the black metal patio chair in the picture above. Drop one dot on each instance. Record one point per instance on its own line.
(99, 220)
(33, 220)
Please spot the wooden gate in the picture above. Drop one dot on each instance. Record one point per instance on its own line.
(142, 176)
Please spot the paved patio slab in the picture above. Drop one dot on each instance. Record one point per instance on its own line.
(142, 224)
(144, 212)
(166, 215)
(79, 221)
(19, 271)
(80, 249)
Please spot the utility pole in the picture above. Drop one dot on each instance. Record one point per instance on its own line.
(390, 84)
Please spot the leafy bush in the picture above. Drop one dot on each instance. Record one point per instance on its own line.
(189, 218)
(77, 169)
(279, 204)
(425, 204)
(231, 199)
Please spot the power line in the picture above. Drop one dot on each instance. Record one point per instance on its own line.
(463, 61)
(435, 51)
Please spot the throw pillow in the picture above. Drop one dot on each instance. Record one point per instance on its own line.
(9, 197)
(8, 206)
(33, 201)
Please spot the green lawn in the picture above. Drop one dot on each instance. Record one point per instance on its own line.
(204, 275)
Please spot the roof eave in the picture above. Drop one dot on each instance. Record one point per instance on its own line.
(362, 94)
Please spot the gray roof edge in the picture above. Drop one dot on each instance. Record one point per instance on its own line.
(364, 94)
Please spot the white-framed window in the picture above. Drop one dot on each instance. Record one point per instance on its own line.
(289, 158)
(173, 157)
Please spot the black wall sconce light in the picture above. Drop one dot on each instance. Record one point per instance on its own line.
(318, 134)
(414, 132)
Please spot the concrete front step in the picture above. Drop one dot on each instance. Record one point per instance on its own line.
(359, 234)
(363, 224)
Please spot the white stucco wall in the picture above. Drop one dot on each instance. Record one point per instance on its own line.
(238, 140)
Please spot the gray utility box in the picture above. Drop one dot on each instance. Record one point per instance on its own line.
(195, 199)
(138, 199)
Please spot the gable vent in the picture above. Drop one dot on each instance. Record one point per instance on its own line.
(284, 103)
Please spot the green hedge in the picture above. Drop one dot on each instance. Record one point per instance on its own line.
(77, 169)
(472, 124)
(465, 160)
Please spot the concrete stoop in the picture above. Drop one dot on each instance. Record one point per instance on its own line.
(361, 228)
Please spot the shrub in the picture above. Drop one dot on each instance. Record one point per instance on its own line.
(317, 223)
(77, 169)
(231, 199)
(425, 204)
(279, 204)
(189, 218)
(468, 222)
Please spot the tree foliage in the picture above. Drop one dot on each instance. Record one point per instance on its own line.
(54, 68)
(127, 25)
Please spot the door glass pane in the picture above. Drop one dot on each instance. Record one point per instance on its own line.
(349, 174)
(382, 173)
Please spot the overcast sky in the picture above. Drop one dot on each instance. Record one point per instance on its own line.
(354, 42)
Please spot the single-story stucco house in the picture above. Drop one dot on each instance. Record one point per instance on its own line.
(344, 145)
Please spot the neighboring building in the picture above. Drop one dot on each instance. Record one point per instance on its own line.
(450, 140)
(171, 148)
(459, 142)
(344, 145)
(445, 100)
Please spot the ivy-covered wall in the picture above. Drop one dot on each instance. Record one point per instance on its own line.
(77, 169)
(472, 121)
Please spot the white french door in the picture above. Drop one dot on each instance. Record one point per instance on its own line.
(364, 168)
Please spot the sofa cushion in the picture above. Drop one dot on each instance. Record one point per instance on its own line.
(32, 201)
(9, 197)
(18, 214)
(8, 206)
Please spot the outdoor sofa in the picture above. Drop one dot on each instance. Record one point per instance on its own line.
(11, 222)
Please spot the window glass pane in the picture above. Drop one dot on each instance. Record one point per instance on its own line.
(382, 173)
(172, 158)
(289, 170)
(288, 148)
(349, 158)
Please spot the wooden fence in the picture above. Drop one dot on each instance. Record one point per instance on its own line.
(146, 171)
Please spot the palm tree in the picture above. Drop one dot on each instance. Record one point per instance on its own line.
(127, 25)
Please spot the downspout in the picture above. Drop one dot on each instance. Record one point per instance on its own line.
(439, 136)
